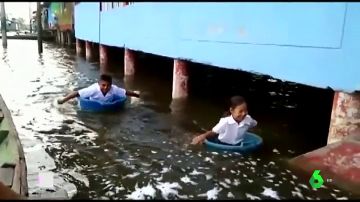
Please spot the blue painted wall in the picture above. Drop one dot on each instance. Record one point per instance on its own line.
(87, 21)
(317, 44)
(51, 15)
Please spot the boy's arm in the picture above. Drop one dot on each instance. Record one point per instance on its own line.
(219, 128)
(68, 97)
(253, 123)
(201, 138)
(131, 94)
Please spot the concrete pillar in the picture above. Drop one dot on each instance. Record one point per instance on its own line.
(88, 51)
(180, 79)
(345, 116)
(63, 38)
(79, 47)
(69, 38)
(129, 62)
(103, 55)
(58, 36)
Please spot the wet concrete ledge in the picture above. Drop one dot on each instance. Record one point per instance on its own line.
(13, 170)
(339, 163)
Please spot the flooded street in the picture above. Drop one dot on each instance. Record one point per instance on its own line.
(143, 152)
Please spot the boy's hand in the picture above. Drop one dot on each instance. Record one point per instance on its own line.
(137, 94)
(60, 101)
(198, 140)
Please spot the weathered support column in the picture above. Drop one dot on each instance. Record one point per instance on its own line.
(103, 55)
(129, 62)
(345, 116)
(39, 27)
(180, 79)
(58, 36)
(63, 36)
(3, 25)
(79, 47)
(69, 38)
(88, 51)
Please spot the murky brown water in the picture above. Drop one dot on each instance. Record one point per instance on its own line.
(143, 151)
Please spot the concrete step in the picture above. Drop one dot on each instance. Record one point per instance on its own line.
(339, 163)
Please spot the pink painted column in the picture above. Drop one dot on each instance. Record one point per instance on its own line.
(88, 50)
(79, 48)
(345, 116)
(129, 62)
(180, 79)
(103, 55)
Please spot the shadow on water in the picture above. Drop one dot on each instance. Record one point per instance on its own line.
(143, 151)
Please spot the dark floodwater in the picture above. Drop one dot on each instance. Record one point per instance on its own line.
(143, 151)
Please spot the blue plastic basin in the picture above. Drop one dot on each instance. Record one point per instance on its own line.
(250, 143)
(96, 106)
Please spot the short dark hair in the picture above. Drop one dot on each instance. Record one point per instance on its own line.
(105, 77)
(236, 101)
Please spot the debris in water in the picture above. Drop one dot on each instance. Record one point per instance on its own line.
(269, 192)
(227, 180)
(224, 185)
(230, 195)
(165, 170)
(186, 180)
(159, 178)
(297, 193)
(131, 175)
(195, 172)
(342, 198)
(236, 182)
(270, 175)
(208, 177)
(252, 197)
(276, 151)
(253, 163)
(208, 159)
(168, 189)
(211, 194)
(142, 193)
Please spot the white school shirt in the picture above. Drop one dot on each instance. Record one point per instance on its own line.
(93, 92)
(230, 131)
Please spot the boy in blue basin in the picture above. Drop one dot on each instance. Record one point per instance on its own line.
(103, 91)
(232, 127)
